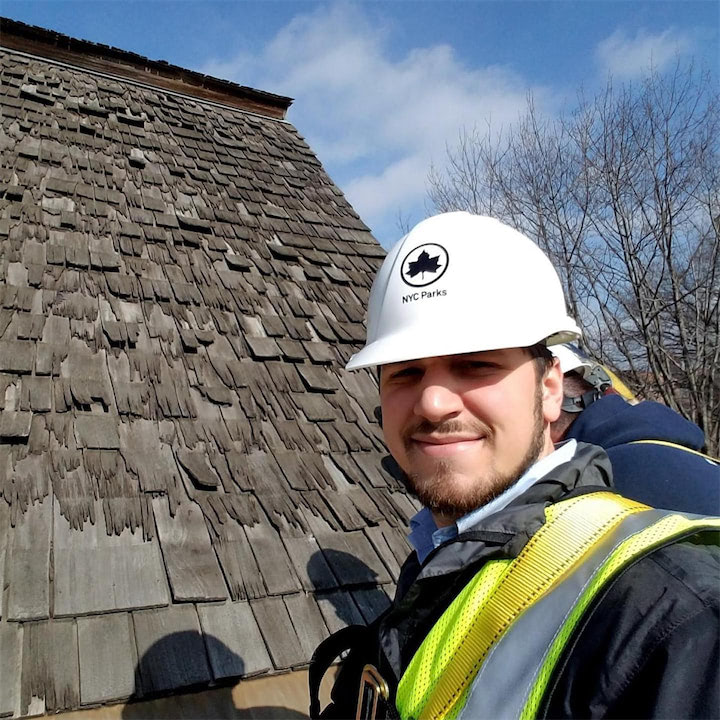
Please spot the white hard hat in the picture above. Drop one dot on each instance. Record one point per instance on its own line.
(596, 374)
(459, 283)
(571, 358)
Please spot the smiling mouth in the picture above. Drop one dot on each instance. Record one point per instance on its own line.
(445, 446)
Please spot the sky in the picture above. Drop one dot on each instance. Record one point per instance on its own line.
(382, 89)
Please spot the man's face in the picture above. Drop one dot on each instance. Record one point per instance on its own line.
(465, 427)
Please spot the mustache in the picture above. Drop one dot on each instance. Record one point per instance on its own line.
(444, 427)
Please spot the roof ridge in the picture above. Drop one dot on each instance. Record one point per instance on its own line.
(157, 74)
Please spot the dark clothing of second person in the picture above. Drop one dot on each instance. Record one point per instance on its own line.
(658, 475)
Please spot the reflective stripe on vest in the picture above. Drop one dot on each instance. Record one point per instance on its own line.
(493, 651)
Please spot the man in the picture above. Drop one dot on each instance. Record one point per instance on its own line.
(533, 589)
(655, 452)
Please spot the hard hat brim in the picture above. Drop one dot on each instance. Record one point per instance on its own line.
(412, 345)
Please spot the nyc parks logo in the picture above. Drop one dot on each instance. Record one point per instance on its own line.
(424, 265)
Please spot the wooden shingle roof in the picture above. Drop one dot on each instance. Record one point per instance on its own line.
(191, 486)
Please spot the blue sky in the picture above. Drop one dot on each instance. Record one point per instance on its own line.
(381, 88)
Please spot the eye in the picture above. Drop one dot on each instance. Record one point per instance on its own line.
(408, 372)
(405, 372)
(478, 364)
(476, 367)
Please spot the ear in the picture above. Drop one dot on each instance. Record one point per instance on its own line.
(552, 392)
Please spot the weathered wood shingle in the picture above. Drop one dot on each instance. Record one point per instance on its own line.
(234, 643)
(171, 650)
(95, 572)
(28, 566)
(192, 567)
(106, 648)
(10, 667)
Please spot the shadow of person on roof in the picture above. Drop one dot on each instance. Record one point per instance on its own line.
(349, 585)
(189, 676)
(347, 591)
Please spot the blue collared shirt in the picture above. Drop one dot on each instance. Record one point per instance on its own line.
(425, 536)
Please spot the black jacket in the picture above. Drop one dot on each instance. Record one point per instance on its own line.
(649, 647)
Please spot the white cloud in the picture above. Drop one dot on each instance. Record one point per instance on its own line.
(375, 120)
(390, 188)
(627, 57)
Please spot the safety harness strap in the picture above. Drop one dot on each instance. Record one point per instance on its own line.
(326, 654)
(670, 528)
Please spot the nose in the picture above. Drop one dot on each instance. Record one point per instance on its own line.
(438, 401)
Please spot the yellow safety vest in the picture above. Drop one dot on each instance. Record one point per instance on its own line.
(496, 646)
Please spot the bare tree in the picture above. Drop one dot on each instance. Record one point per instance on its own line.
(624, 194)
(402, 222)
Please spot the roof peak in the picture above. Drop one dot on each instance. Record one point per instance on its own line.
(97, 57)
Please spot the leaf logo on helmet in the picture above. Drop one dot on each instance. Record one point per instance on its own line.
(424, 265)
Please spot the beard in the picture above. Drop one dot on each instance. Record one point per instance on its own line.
(444, 495)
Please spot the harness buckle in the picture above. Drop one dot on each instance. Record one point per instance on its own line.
(373, 687)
